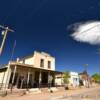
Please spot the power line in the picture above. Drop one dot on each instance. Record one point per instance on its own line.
(90, 28)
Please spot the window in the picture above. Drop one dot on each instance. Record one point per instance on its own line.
(49, 64)
(42, 63)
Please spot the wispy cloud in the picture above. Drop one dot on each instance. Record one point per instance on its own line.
(88, 32)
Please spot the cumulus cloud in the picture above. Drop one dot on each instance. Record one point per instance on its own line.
(88, 32)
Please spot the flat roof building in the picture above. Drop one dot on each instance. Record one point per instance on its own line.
(36, 70)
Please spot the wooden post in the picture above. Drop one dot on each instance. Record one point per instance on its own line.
(50, 78)
(22, 80)
(28, 77)
(49, 84)
(61, 79)
(7, 76)
(17, 81)
(13, 78)
(40, 79)
(2, 80)
(14, 75)
(53, 79)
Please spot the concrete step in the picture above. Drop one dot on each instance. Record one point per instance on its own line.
(46, 90)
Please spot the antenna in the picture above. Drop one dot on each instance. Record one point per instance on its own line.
(12, 54)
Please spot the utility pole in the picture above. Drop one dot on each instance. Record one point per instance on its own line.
(4, 33)
(85, 67)
(87, 76)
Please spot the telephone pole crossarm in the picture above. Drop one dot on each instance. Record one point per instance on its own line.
(6, 28)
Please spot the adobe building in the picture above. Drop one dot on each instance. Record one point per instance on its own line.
(85, 79)
(34, 71)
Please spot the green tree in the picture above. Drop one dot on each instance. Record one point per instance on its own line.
(96, 77)
(66, 76)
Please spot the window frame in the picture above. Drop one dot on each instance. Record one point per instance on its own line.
(42, 63)
(49, 64)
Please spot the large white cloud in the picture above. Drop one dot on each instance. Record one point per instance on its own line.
(88, 32)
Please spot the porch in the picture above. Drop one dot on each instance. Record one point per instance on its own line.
(25, 76)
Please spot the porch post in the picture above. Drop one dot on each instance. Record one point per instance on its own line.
(53, 79)
(49, 84)
(40, 79)
(28, 77)
(61, 79)
(14, 75)
(17, 81)
(21, 86)
(13, 78)
(8, 72)
(2, 80)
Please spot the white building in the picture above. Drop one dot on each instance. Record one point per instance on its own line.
(32, 71)
(73, 80)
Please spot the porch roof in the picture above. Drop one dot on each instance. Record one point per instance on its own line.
(31, 66)
(3, 69)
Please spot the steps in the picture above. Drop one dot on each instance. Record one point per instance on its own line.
(49, 90)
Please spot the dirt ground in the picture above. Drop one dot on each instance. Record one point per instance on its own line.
(47, 95)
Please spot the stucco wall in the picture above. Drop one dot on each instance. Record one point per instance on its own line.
(39, 56)
(29, 61)
(58, 81)
(36, 58)
(74, 79)
(5, 76)
(1, 76)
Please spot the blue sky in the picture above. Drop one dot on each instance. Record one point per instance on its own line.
(42, 25)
